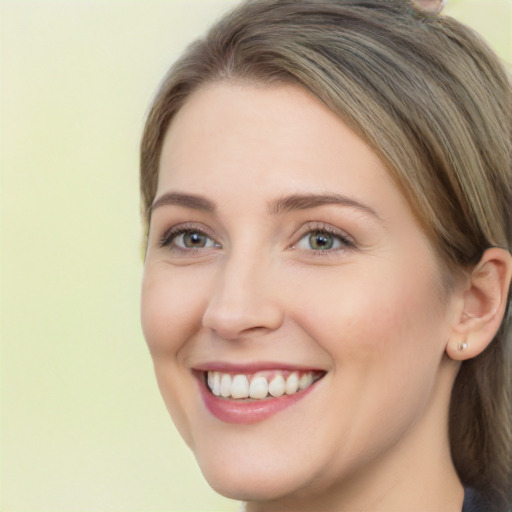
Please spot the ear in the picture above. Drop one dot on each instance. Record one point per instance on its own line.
(484, 302)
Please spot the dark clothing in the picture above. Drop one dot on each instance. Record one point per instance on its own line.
(476, 502)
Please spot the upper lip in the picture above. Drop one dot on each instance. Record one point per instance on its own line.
(253, 367)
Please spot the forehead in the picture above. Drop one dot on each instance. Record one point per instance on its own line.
(260, 134)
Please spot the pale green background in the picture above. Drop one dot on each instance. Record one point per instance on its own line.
(83, 425)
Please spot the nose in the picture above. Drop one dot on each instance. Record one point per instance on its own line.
(245, 299)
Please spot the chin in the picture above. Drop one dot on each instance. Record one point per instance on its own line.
(261, 482)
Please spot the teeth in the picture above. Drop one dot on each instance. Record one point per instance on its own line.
(292, 383)
(277, 386)
(305, 381)
(258, 387)
(240, 387)
(225, 385)
(216, 383)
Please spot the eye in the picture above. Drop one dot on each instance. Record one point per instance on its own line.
(323, 240)
(193, 240)
(187, 239)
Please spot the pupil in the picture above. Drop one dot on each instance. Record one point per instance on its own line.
(194, 240)
(320, 240)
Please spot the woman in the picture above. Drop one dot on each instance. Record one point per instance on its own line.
(327, 189)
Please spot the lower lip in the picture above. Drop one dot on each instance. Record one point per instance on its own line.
(236, 411)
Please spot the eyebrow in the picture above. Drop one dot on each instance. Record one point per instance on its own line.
(307, 201)
(276, 207)
(186, 200)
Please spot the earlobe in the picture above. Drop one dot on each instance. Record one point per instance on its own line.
(458, 349)
(484, 304)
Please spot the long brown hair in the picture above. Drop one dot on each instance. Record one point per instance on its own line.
(435, 103)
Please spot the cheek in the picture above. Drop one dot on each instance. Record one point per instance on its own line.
(385, 341)
(375, 312)
(170, 316)
(171, 310)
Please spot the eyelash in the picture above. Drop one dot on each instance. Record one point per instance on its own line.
(169, 237)
(346, 242)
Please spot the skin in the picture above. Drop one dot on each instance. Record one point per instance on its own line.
(372, 433)
(431, 7)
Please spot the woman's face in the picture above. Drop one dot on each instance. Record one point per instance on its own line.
(282, 255)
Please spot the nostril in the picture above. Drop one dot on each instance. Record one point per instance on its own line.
(245, 300)
(235, 321)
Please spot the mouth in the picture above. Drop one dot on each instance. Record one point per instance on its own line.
(262, 385)
(236, 396)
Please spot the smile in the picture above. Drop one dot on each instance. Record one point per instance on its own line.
(261, 385)
(249, 397)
